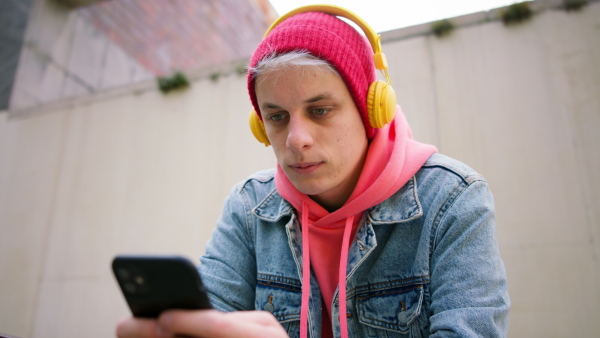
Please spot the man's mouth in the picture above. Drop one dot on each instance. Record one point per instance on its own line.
(305, 167)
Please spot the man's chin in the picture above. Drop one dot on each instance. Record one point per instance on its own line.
(307, 187)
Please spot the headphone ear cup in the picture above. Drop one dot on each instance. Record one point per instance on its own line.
(381, 104)
(258, 128)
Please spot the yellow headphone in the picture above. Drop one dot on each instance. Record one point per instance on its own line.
(381, 98)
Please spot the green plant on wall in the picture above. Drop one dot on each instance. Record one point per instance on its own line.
(574, 5)
(214, 76)
(516, 13)
(442, 28)
(169, 83)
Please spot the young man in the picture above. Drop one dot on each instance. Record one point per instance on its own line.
(357, 219)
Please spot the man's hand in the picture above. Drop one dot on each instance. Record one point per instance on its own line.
(203, 323)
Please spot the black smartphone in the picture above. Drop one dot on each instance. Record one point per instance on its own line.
(152, 284)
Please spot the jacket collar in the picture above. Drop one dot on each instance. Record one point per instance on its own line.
(403, 206)
(273, 207)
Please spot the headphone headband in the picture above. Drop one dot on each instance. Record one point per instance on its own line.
(374, 38)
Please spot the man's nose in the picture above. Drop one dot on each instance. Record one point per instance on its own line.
(299, 136)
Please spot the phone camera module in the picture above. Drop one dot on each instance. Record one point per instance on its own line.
(136, 284)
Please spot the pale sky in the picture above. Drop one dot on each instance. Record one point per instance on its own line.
(384, 15)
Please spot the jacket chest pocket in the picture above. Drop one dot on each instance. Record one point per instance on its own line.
(392, 312)
(282, 297)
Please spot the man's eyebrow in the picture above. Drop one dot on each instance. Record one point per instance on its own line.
(324, 96)
(268, 105)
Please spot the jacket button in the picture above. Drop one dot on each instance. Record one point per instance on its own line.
(269, 306)
(361, 245)
(403, 316)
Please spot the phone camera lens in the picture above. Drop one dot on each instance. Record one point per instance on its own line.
(123, 274)
(130, 288)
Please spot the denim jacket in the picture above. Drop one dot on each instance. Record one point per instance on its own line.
(425, 262)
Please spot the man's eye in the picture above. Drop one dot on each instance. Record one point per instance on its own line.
(276, 117)
(320, 111)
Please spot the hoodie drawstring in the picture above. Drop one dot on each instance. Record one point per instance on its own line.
(305, 273)
(342, 277)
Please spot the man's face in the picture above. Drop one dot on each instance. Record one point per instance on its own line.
(315, 130)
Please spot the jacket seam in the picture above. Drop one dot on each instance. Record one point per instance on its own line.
(279, 279)
(406, 282)
(247, 216)
(467, 178)
(279, 286)
(410, 288)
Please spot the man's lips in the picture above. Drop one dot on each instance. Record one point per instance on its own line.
(305, 167)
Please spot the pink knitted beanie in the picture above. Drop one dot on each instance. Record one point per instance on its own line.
(328, 38)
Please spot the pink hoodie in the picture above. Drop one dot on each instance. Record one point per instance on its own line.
(392, 159)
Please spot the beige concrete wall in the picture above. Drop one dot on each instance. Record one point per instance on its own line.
(134, 174)
(522, 106)
(147, 173)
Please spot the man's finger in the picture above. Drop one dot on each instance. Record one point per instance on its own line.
(212, 323)
(136, 327)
